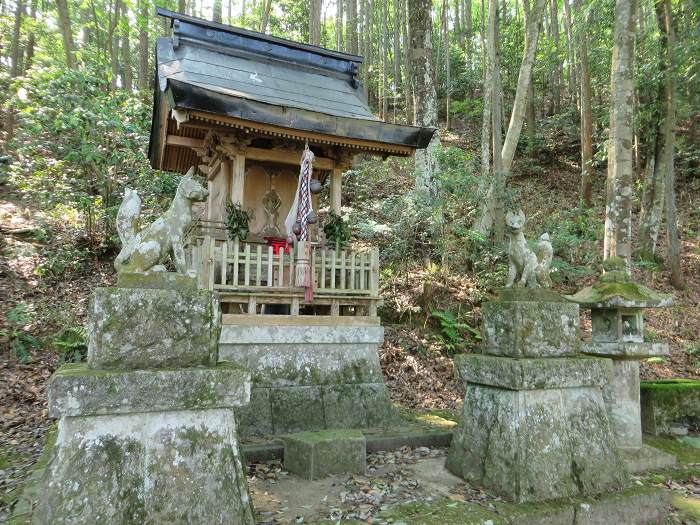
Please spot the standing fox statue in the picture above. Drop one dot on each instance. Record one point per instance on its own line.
(149, 248)
(525, 268)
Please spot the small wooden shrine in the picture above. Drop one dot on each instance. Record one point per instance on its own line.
(242, 106)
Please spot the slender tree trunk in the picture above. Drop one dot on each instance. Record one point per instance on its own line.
(315, 8)
(420, 20)
(385, 63)
(143, 44)
(31, 39)
(351, 27)
(586, 123)
(267, 7)
(446, 48)
(458, 23)
(467, 26)
(517, 116)
(66, 32)
(556, 80)
(570, 55)
(408, 77)
(397, 49)
(127, 77)
(620, 191)
(367, 42)
(339, 26)
(217, 11)
(668, 40)
(182, 6)
(492, 182)
(531, 124)
(113, 40)
(17, 53)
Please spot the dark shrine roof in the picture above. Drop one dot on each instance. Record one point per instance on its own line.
(232, 72)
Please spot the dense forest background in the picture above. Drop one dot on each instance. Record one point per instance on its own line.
(556, 106)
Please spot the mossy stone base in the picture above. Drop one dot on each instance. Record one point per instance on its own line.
(667, 402)
(533, 373)
(133, 328)
(309, 378)
(536, 445)
(176, 467)
(521, 328)
(76, 390)
(315, 455)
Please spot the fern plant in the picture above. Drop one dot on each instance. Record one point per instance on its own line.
(452, 329)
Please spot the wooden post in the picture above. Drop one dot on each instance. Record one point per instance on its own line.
(238, 178)
(336, 189)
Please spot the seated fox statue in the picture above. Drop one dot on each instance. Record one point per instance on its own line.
(525, 268)
(149, 248)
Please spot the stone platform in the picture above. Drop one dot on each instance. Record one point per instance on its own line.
(309, 378)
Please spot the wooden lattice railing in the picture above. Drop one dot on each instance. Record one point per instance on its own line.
(250, 275)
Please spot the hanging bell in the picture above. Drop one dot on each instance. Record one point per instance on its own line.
(312, 218)
(296, 229)
(315, 186)
(290, 239)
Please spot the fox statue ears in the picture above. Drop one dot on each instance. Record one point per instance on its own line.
(515, 219)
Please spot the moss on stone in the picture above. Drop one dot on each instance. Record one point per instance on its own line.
(617, 293)
(685, 454)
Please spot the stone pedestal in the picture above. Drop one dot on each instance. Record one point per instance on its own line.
(146, 430)
(534, 428)
(315, 455)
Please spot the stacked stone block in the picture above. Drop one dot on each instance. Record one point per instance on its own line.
(309, 378)
(146, 430)
(534, 424)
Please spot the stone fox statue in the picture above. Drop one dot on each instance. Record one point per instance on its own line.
(150, 247)
(524, 267)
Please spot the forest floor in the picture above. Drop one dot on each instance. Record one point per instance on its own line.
(44, 294)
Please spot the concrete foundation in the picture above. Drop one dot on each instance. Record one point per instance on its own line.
(309, 378)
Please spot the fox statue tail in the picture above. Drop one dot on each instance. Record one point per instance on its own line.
(128, 216)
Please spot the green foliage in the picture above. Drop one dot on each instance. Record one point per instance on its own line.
(71, 342)
(336, 230)
(453, 330)
(21, 341)
(58, 263)
(237, 221)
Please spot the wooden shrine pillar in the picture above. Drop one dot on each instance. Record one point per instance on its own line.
(237, 163)
(342, 164)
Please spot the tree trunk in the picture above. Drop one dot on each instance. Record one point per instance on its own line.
(532, 31)
(408, 77)
(458, 22)
(586, 124)
(217, 11)
(570, 56)
(668, 40)
(351, 27)
(620, 191)
(339, 26)
(66, 32)
(397, 50)
(17, 53)
(182, 6)
(113, 42)
(556, 80)
(419, 13)
(490, 185)
(31, 39)
(143, 45)
(446, 48)
(385, 63)
(267, 7)
(127, 77)
(315, 8)
(367, 43)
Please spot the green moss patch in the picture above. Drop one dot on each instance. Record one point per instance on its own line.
(606, 292)
(688, 508)
(670, 384)
(685, 454)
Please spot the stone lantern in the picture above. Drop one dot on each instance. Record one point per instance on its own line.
(617, 319)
